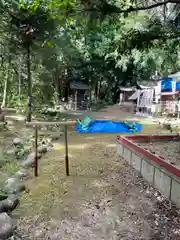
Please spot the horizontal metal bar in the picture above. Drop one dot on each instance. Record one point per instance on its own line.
(69, 123)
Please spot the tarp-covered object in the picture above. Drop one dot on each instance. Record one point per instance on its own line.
(166, 85)
(106, 126)
(178, 86)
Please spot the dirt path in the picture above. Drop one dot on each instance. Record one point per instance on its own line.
(103, 199)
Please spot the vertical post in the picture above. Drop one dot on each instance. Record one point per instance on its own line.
(36, 153)
(76, 100)
(29, 113)
(89, 94)
(66, 151)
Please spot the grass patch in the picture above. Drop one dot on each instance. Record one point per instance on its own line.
(11, 167)
(88, 158)
(94, 169)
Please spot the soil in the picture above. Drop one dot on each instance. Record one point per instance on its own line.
(102, 199)
(168, 150)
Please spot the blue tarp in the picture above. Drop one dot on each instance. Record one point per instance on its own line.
(166, 85)
(178, 86)
(106, 126)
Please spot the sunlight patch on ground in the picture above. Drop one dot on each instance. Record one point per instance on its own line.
(100, 184)
(59, 147)
(90, 138)
(16, 117)
(111, 145)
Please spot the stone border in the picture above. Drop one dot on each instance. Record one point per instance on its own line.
(162, 175)
(13, 186)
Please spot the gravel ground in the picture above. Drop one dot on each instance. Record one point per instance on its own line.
(169, 150)
(103, 199)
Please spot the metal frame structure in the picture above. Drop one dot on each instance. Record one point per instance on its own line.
(36, 125)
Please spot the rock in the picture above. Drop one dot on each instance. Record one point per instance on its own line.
(11, 151)
(50, 144)
(55, 136)
(17, 141)
(16, 151)
(19, 153)
(43, 142)
(50, 147)
(14, 185)
(12, 202)
(9, 204)
(39, 233)
(6, 226)
(22, 173)
(29, 162)
(48, 140)
(27, 148)
(42, 149)
(44, 128)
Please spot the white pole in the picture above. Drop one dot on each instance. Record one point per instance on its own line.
(76, 100)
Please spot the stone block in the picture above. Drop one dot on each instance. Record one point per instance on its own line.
(175, 193)
(147, 171)
(127, 155)
(136, 161)
(162, 182)
(120, 148)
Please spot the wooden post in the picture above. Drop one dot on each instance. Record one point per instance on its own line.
(65, 124)
(36, 153)
(66, 151)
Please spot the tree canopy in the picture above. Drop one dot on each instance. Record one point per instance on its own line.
(46, 44)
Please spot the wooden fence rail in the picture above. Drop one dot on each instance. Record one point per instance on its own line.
(65, 124)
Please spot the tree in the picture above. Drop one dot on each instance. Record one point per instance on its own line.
(31, 24)
(57, 44)
(124, 6)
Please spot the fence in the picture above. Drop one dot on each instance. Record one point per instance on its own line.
(65, 124)
(79, 105)
(171, 108)
(128, 106)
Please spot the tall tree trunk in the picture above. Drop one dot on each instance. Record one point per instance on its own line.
(66, 92)
(96, 90)
(56, 90)
(19, 79)
(3, 104)
(90, 93)
(56, 94)
(29, 113)
(99, 88)
(164, 13)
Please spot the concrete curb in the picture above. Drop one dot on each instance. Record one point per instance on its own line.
(162, 175)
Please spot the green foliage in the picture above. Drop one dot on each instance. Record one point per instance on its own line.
(102, 49)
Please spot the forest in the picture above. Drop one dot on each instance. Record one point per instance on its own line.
(47, 44)
(105, 173)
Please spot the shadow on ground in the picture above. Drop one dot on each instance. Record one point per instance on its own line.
(101, 199)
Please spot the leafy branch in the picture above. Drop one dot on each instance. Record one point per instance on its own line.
(106, 8)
